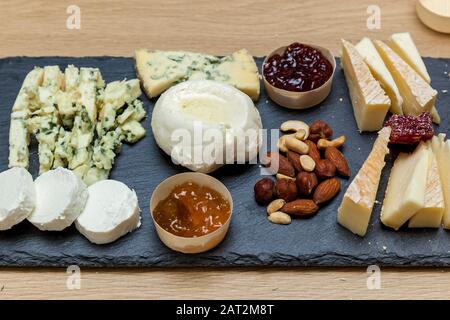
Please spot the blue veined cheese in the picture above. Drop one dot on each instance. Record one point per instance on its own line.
(18, 133)
(132, 131)
(63, 149)
(106, 148)
(67, 100)
(159, 70)
(134, 111)
(90, 81)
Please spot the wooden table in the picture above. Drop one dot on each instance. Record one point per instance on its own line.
(218, 27)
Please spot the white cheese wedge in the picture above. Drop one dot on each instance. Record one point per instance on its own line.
(357, 205)
(441, 149)
(112, 210)
(17, 197)
(370, 103)
(403, 44)
(60, 199)
(159, 70)
(379, 70)
(430, 216)
(405, 192)
(417, 94)
(189, 111)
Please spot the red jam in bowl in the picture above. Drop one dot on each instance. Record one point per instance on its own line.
(301, 68)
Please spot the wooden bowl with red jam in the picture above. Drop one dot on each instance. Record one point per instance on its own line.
(191, 212)
(298, 76)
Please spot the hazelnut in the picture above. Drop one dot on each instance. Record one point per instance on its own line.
(278, 163)
(306, 182)
(325, 169)
(319, 129)
(264, 190)
(294, 159)
(286, 189)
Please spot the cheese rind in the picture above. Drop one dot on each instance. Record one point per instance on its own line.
(403, 44)
(357, 205)
(430, 216)
(370, 103)
(112, 210)
(17, 197)
(159, 70)
(379, 70)
(417, 94)
(405, 192)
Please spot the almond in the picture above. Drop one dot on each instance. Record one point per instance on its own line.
(313, 150)
(306, 182)
(279, 164)
(338, 159)
(325, 169)
(294, 159)
(326, 190)
(301, 208)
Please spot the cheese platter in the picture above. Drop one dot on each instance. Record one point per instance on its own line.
(323, 185)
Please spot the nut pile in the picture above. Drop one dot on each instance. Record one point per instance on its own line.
(307, 164)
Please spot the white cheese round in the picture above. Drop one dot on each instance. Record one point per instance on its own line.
(60, 199)
(112, 210)
(198, 109)
(17, 197)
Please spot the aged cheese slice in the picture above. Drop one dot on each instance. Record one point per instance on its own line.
(441, 149)
(405, 193)
(403, 44)
(159, 70)
(370, 103)
(417, 94)
(379, 70)
(430, 215)
(356, 207)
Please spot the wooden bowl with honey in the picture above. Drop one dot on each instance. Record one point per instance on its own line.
(191, 212)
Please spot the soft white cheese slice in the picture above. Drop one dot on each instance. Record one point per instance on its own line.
(430, 216)
(379, 70)
(112, 210)
(357, 205)
(17, 196)
(441, 148)
(201, 123)
(405, 192)
(60, 199)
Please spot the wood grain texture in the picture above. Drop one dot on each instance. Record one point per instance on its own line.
(114, 27)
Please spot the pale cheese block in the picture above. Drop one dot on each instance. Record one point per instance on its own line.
(357, 205)
(17, 197)
(159, 70)
(370, 103)
(403, 44)
(60, 199)
(379, 70)
(405, 192)
(112, 210)
(418, 96)
(441, 149)
(430, 216)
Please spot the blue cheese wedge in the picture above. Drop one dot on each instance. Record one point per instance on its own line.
(159, 70)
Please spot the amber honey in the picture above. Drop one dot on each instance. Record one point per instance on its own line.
(192, 210)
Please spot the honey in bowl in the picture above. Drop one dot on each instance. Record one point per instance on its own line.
(192, 210)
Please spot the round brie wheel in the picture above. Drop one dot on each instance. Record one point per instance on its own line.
(197, 122)
(60, 199)
(112, 210)
(17, 197)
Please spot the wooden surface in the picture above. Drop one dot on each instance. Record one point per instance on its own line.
(117, 27)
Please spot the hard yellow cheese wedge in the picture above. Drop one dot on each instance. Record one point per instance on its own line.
(356, 207)
(430, 215)
(405, 193)
(370, 103)
(379, 70)
(441, 149)
(159, 70)
(403, 44)
(417, 94)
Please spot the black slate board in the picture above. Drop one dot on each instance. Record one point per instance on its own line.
(252, 240)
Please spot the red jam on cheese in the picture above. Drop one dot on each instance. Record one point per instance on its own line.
(410, 129)
(192, 210)
(300, 68)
